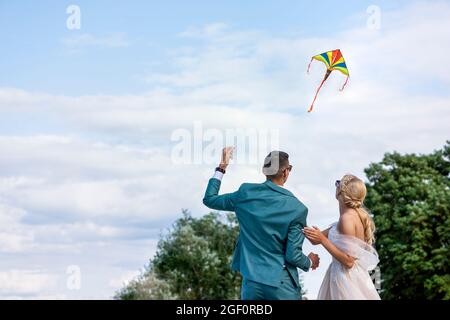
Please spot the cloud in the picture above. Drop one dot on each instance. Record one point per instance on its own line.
(85, 40)
(14, 237)
(19, 282)
(63, 176)
(206, 31)
(123, 279)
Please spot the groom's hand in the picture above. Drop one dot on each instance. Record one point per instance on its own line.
(227, 154)
(315, 260)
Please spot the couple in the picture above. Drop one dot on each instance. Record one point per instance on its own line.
(273, 227)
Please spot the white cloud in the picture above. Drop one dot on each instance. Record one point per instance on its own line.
(115, 40)
(20, 282)
(69, 176)
(209, 30)
(123, 279)
(14, 237)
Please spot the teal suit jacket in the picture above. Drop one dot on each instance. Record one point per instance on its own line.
(270, 219)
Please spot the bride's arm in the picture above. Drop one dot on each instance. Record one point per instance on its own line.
(314, 235)
(346, 260)
(324, 232)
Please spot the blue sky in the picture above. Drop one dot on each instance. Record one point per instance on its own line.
(88, 118)
(33, 35)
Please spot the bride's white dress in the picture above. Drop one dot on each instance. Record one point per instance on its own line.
(341, 283)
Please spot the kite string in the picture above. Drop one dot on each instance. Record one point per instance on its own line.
(346, 80)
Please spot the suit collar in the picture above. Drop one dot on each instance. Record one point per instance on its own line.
(277, 188)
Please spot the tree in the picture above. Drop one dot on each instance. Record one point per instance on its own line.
(195, 257)
(409, 196)
(146, 286)
(192, 261)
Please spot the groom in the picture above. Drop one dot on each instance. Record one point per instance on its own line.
(269, 248)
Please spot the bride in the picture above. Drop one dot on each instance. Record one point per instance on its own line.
(349, 241)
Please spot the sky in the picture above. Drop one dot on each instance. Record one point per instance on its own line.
(93, 112)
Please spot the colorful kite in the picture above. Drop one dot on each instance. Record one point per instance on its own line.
(333, 61)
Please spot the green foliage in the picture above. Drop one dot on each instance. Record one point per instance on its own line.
(192, 262)
(195, 257)
(145, 287)
(409, 196)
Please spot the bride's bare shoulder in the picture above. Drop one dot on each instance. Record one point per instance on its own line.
(347, 224)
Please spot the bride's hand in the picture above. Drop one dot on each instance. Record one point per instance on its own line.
(314, 235)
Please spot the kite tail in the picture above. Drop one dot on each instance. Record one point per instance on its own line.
(309, 65)
(317, 92)
(346, 80)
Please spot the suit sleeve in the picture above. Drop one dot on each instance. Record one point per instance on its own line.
(212, 199)
(294, 254)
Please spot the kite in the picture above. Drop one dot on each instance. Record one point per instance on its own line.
(333, 61)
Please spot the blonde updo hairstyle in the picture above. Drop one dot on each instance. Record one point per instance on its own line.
(352, 192)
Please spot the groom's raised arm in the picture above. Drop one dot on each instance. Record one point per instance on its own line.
(294, 254)
(212, 199)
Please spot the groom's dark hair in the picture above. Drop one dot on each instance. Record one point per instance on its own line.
(275, 163)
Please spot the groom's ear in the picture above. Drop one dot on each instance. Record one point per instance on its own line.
(286, 173)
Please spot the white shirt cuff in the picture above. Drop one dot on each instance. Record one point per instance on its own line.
(310, 264)
(218, 175)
